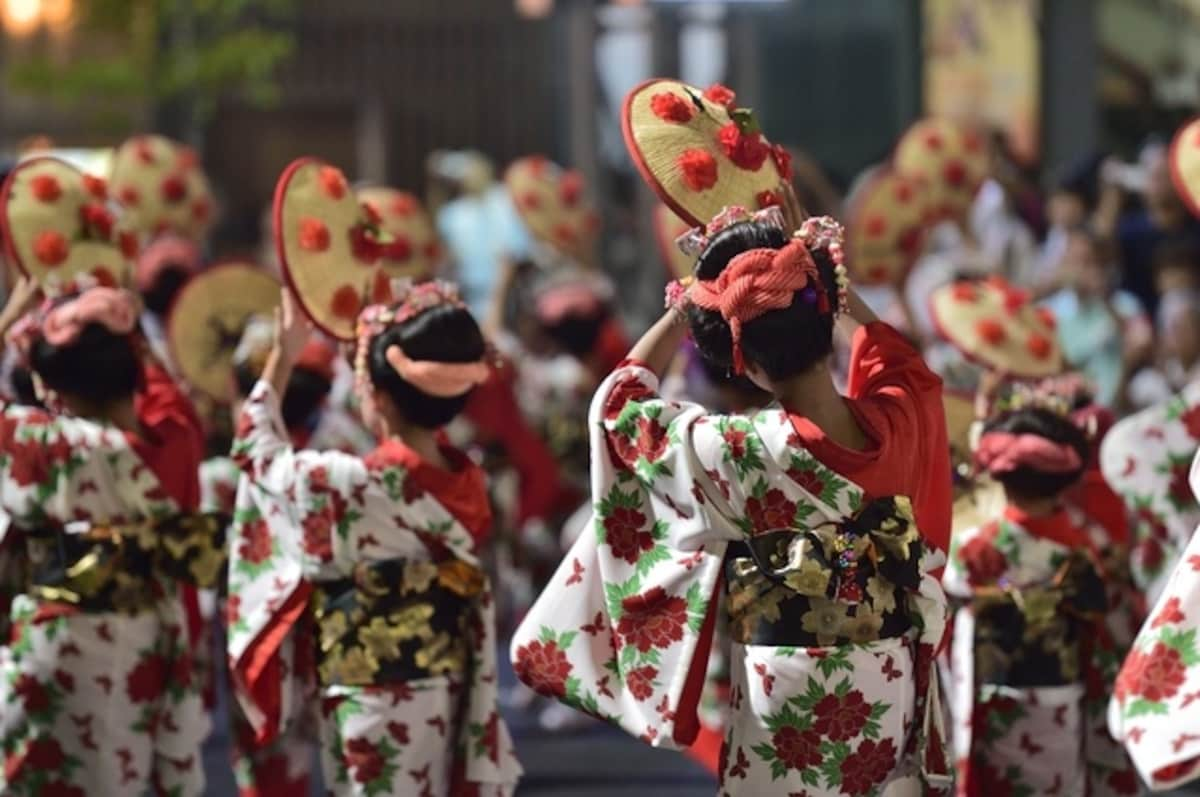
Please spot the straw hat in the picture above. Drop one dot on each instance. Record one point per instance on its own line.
(951, 158)
(996, 325)
(207, 320)
(698, 152)
(960, 415)
(58, 227)
(886, 230)
(413, 251)
(329, 245)
(667, 229)
(554, 205)
(162, 188)
(1184, 159)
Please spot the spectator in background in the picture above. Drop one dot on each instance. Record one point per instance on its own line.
(1179, 348)
(1139, 233)
(1071, 202)
(1102, 330)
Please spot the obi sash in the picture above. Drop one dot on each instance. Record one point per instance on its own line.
(874, 564)
(124, 567)
(1035, 636)
(396, 620)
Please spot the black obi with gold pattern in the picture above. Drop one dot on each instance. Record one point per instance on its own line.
(834, 584)
(125, 567)
(1035, 636)
(397, 620)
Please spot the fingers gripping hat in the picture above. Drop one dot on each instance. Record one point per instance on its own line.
(331, 245)
(208, 318)
(162, 187)
(699, 152)
(997, 325)
(59, 227)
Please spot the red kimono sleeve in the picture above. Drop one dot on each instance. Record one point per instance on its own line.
(172, 445)
(889, 373)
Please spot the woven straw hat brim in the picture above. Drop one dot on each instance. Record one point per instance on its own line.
(27, 220)
(207, 320)
(556, 213)
(950, 158)
(405, 218)
(162, 187)
(886, 230)
(657, 145)
(1026, 346)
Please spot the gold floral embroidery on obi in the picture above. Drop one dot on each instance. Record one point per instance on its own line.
(836, 583)
(396, 620)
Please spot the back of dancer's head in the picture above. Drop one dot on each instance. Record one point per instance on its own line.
(1040, 467)
(99, 366)
(445, 333)
(783, 343)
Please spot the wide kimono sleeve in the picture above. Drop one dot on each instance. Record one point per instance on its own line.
(290, 506)
(885, 367)
(624, 628)
(1154, 710)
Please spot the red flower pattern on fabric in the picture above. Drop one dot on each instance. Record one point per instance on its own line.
(255, 547)
(364, 760)
(33, 694)
(1191, 421)
(809, 480)
(653, 619)
(1180, 489)
(1155, 676)
(622, 393)
(773, 511)
(641, 682)
(841, 719)
(147, 679)
(797, 749)
(624, 534)
(651, 439)
(543, 667)
(983, 561)
(1169, 614)
(868, 766)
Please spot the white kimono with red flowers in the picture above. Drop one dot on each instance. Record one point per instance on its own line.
(624, 628)
(1155, 710)
(93, 703)
(1145, 459)
(307, 516)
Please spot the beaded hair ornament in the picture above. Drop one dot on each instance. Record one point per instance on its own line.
(760, 280)
(440, 379)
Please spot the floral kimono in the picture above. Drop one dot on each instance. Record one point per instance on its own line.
(1032, 660)
(355, 585)
(1155, 710)
(1145, 459)
(97, 684)
(832, 608)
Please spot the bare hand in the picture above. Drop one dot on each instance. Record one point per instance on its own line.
(24, 297)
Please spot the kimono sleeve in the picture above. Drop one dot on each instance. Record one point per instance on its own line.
(290, 504)
(624, 628)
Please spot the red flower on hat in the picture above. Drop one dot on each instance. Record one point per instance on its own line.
(399, 250)
(128, 243)
(433, 250)
(721, 95)
(564, 233)
(1046, 316)
(187, 159)
(570, 188)
(991, 331)
(698, 169)
(875, 225)
(971, 141)
(381, 290)
(128, 195)
(933, 140)
(911, 241)
(403, 205)
(536, 165)
(364, 246)
(332, 181)
(345, 303)
(96, 217)
(104, 277)
(314, 235)
(963, 292)
(372, 213)
(748, 151)
(1014, 299)
(879, 273)
(530, 200)
(45, 188)
(1039, 346)
(50, 248)
(783, 161)
(768, 199)
(201, 210)
(903, 191)
(670, 107)
(174, 189)
(955, 173)
(144, 152)
(95, 186)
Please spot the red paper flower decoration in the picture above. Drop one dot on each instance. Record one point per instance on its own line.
(1039, 346)
(963, 292)
(45, 188)
(878, 273)
(911, 241)
(721, 95)
(128, 195)
(187, 159)
(933, 140)
(972, 141)
(1015, 299)
(955, 173)
(333, 182)
(570, 188)
(748, 151)
(768, 199)
(903, 191)
(104, 277)
(530, 200)
(97, 218)
(50, 248)
(991, 331)
(536, 165)
(372, 213)
(174, 189)
(698, 169)
(783, 161)
(144, 152)
(201, 210)
(670, 107)
(345, 303)
(363, 245)
(314, 235)
(399, 250)
(1046, 316)
(875, 226)
(403, 205)
(564, 233)
(128, 243)
(381, 290)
